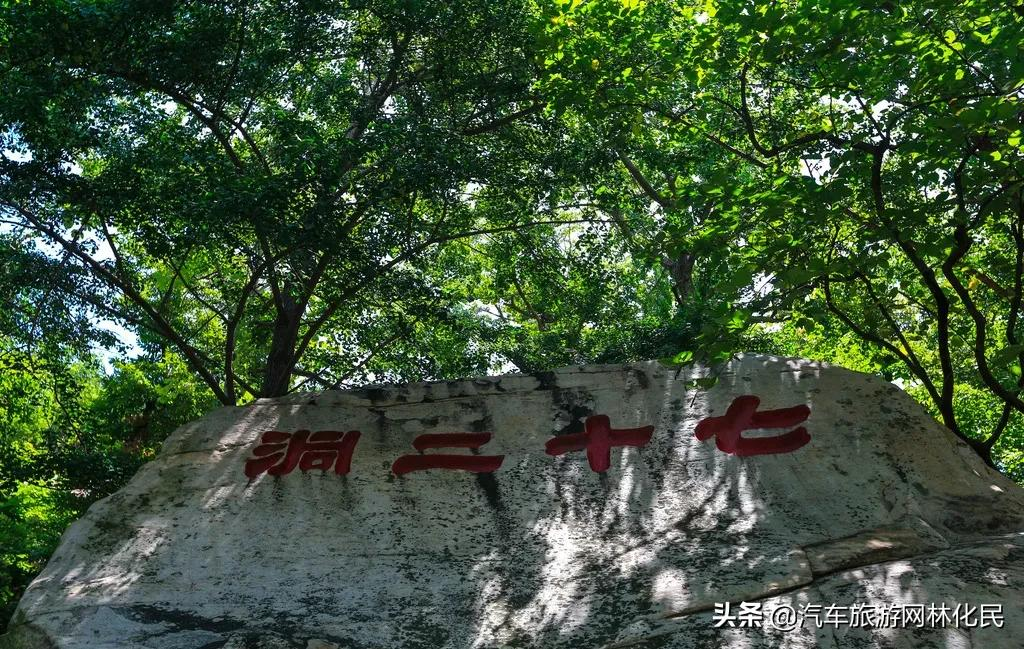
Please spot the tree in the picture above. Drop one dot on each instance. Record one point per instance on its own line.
(70, 435)
(305, 196)
(851, 167)
(235, 181)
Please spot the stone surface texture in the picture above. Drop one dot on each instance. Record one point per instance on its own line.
(882, 506)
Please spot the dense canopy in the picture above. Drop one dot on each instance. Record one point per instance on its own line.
(212, 202)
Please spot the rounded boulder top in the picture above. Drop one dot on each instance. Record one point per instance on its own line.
(593, 506)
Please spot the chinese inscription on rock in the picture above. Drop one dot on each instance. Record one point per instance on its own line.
(279, 453)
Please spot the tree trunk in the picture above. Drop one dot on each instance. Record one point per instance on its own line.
(984, 451)
(281, 359)
(681, 272)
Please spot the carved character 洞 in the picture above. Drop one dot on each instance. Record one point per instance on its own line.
(279, 453)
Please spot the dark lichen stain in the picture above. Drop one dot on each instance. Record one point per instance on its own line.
(485, 384)
(574, 404)
(546, 380)
(108, 534)
(900, 472)
(970, 514)
(377, 394)
(489, 485)
(180, 620)
(676, 415)
(382, 420)
(641, 378)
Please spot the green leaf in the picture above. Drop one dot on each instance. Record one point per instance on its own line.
(705, 383)
(1006, 355)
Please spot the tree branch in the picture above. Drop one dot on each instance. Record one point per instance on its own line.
(963, 244)
(190, 353)
(377, 272)
(496, 124)
(644, 184)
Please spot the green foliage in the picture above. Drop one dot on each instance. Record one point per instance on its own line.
(291, 196)
(31, 521)
(824, 163)
(976, 409)
(70, 436)
(259, 186)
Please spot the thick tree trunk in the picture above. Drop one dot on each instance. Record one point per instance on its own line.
(281, 359)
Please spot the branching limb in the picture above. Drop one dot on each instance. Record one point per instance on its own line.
(161, 325)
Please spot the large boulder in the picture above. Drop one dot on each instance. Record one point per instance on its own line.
(849, 498)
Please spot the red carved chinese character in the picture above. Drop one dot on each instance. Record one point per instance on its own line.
(474, 463)
(279, 453)
(742, 415)
(599, 438)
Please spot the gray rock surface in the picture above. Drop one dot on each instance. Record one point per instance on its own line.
(883, 507)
